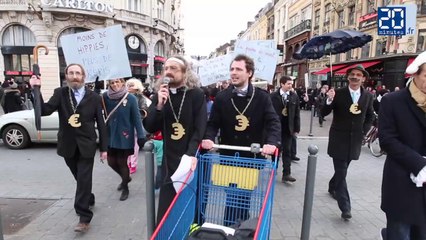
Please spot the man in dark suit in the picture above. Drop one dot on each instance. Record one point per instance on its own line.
(244, 115)
(402, 135)
(79, 109)
(286, 105)
(353, 115)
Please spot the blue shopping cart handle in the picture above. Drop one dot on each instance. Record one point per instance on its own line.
(254, 147)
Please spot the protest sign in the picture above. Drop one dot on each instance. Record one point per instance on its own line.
(265, 58)
(102, 52)
(215, 69)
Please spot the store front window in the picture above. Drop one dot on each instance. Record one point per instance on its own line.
(17, 48)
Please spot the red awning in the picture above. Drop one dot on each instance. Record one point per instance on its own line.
(410, 61)
(139, 65)
(326, 70)
(364, 64)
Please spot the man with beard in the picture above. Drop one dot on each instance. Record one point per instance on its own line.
(244, 115)
(79, 109)
(179, 111)
(353, 116)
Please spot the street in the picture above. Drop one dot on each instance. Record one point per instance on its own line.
(38, 174)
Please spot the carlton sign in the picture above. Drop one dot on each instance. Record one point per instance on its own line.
(80, 4)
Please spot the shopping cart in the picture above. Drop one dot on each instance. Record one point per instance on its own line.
(179, 216)
(233, 189)
(228, 187)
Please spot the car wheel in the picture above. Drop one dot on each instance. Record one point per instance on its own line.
(15, 137)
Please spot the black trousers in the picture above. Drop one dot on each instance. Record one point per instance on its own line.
(338, 184)
(293, 149)
(82, 170)
(286, 153)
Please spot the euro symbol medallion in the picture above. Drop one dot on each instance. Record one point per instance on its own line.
(178, 131)
(243, 123)
(354, 109)
(284, 112)
(73, 120)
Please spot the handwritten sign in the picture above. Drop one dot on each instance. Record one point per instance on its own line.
(102, 52)
(215, 69)
(265, 58)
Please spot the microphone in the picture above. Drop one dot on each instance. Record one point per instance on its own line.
(166, 80)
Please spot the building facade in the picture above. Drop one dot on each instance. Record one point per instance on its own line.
(298, 33)
(151, 32)
(385, 57)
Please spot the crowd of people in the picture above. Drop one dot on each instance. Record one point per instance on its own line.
(180, 115)
(14, 96)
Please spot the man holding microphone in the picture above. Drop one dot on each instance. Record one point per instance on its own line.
(179, 111)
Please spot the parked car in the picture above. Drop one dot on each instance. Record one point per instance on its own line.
(17, 129)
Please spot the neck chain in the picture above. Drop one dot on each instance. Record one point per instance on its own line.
(180, 107)
(248, 104)
(74, 108)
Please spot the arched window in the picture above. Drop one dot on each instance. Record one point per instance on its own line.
(18, 35)
(159, 49)
(70, 31)
(17, 48)
(160, 53)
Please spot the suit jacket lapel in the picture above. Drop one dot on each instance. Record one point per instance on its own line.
(362, 98)
(348, 97)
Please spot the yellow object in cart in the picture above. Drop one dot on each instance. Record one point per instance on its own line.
(244, 178)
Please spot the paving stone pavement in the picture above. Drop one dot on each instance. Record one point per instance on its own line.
(38, 173)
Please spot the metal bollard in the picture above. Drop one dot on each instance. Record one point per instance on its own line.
(1, 228)
(312, 119)
(149, 179)
(309, 192)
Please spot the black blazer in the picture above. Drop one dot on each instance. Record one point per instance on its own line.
(290, 125)
(402, 134)
(84, 137)
(264, 123)
(347, 130)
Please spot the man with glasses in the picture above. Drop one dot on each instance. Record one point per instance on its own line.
(79, 109)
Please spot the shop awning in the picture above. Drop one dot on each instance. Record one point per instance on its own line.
(326, 70)
(364, 64)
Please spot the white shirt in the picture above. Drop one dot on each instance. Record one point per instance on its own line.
(79, 94)
(284, 94)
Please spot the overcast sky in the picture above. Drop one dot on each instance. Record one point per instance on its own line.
(209, 24)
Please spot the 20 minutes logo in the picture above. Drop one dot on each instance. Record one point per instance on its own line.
(397, 20)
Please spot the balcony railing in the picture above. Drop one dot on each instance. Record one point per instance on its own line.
(301, 27)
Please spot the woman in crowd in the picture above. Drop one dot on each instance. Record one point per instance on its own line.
(122, 118)
(134, 86)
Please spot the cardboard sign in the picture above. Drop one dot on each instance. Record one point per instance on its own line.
(102, 52)
(215, 69)
(265, 58)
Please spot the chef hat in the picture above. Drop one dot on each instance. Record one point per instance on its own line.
(414, 66)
